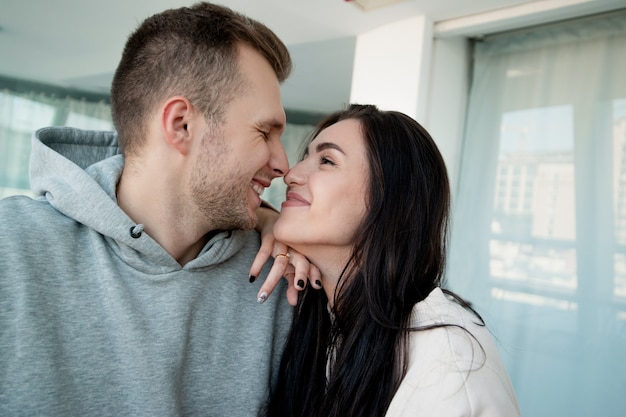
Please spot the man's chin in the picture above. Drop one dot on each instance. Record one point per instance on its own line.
(244, 221)
(247, 221)
(250, 225)
(247, 217)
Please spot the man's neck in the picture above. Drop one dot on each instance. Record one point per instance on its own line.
(165, 220)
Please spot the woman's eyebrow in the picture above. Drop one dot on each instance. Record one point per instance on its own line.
(328, 145)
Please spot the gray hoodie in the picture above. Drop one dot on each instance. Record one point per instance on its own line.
(95, 322)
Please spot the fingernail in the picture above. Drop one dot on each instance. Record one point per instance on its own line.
(252, 278)
(318, 283)
(261, 299)
(301, 283)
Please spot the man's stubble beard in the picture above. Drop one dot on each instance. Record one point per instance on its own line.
(217, 189)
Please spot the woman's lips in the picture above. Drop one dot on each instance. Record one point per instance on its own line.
(294, 200)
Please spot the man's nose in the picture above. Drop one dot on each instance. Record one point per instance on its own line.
(278, 159)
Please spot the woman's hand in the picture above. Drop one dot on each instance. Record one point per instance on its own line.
(288, 263)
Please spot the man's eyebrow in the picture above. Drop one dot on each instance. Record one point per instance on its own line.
(272, 124)
(328, 145)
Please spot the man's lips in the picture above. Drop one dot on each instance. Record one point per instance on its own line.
(259, 186)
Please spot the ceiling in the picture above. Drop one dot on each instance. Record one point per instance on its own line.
(77, 43)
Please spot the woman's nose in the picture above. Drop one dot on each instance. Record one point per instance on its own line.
(295, 175)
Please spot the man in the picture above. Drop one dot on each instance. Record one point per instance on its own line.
(124, 285)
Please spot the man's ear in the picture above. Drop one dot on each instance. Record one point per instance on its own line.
(176, 116)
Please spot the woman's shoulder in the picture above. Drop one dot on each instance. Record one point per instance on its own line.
(447, 332)
(454, 367)
(441, 308)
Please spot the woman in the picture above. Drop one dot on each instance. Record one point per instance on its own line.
(368, 205)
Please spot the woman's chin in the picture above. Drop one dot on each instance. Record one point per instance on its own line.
(284, 231)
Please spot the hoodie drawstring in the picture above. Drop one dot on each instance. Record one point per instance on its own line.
(135, 231)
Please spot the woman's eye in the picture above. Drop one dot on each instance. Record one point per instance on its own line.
(326, 161)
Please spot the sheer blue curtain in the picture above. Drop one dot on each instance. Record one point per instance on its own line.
(538, 238)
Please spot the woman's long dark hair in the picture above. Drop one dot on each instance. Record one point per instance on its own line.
(397, 260)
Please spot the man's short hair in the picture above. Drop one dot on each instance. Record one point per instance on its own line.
(189, 51)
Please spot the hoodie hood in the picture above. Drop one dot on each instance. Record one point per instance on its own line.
(77, 171)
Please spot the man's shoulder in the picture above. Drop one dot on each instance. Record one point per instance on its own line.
(15, 205)
(21, 213)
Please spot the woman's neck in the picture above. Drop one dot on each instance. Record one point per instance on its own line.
(331, 264)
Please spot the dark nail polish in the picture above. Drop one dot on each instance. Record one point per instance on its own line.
(301, 283)
(318, 283)
(252, 278)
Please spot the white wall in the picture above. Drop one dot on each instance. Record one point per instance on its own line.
(391, 66)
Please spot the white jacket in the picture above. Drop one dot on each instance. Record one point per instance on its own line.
(452, 372)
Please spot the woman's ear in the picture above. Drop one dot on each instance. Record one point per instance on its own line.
(176, 117)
